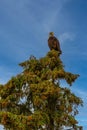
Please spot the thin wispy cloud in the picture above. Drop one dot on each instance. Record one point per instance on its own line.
(67, 36)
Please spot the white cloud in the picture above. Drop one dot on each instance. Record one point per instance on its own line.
(67, 36)
(1, 127)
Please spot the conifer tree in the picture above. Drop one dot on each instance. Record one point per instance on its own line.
(35, 99)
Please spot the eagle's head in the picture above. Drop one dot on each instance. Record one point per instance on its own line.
(51, 34)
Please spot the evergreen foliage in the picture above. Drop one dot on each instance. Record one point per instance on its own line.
(35, 100)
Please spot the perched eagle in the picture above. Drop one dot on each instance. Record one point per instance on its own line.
(53, 42)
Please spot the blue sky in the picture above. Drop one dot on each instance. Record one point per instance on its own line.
(24, 28)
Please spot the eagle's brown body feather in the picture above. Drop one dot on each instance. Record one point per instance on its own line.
(53, 43)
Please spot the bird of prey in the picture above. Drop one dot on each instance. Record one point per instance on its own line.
(53, 43)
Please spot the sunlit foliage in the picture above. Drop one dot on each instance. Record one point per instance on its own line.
(35, 99)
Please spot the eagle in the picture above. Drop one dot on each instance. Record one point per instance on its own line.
(53, 43)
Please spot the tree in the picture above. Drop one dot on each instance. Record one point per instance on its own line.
(35, 99)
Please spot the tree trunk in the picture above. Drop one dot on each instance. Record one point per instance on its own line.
(51, 124)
